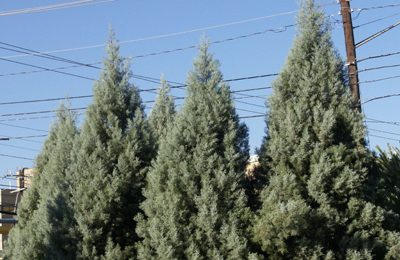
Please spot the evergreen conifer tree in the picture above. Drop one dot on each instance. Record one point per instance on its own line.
(163, 112)
(314, 206)
(386, 184)
(112, 155)
(195, 204)
(45, 218)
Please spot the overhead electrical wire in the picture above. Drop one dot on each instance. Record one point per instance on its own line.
(25, 137)
(250, 111)
(24, 127)
(93, 65)
(70, 109)
(378, 7)
(381, 97)
(46, 69)
(250, 89)
(363, 9)
(167, 35)
(375, 35)
(143, 90)
(376, 20)
(380, 67)
(44, 100)
(379, 56)
(253, 116)
(24, 50)
(53, 7)
(378, 80)
(33, 118)
(60, 59)
(249, 104)
(246, 96)
(372, 120)
(383, 137)
(16, 157)
(382, 131)
(19, 147)
(39, 112)
(280, 29)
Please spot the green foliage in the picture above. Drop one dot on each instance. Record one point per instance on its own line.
(195, 207)
(45, 217)
(163, 112)
(111, 159)
(388, 184)
(315, 206)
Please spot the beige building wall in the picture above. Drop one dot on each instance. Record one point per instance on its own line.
(24, 177)
(9, 200)
(8, 203)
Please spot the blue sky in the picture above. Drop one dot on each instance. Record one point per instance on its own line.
(137, 21)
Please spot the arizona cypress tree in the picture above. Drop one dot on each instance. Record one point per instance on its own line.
(113, 152)
(45, 219)
(387, 180)
(195, 207)
(314, 206)
(163, 112)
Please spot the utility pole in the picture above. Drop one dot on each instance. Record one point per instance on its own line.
(351, 52)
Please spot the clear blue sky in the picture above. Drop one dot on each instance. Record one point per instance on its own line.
(137, 19)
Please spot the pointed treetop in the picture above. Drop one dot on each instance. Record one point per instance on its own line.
(310, 16)
(163, 111)
(205, 69)
(116, 68)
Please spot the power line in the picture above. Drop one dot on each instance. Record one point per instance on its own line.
(168, 35)
(255, 116)
(370, 38)
(32, 118)
(19, 147)
(249, 104)
(46, 69)
(25, 137)
(9, 138)
(16, 157)
(376, 20)
(39, 112)
(24, 127)
(372, 120)
(276, 30)
(74, 109)
(379, 56)
(143, 90)
(378, 7)
(250, 111)
(90, 96)
(145, 78)
(246, 96)
(252, 77)
(383, 137)
(45, 100)
(160, 36)
(53, 7)
(237, 92)
(76, 63)
(380, 97)
(378, 80)
(385, 132)
(250, 89)
(360, 10)
(43, 55)
(379, 68)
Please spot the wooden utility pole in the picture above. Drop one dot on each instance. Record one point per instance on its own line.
(351, 52)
